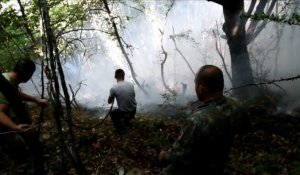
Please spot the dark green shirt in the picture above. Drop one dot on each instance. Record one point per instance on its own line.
(3, 100)
(205, 141)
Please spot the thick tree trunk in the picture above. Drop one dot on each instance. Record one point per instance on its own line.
(234, 27)
(238, 39)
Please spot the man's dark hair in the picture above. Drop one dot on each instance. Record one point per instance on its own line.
(119, 73)
(211, 77)
(24, 68)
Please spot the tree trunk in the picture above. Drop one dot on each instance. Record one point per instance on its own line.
(238, 39)
(58, 109)
(181, 54)
(234, 27)
(162, 66)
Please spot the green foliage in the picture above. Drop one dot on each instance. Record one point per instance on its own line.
(14, 40)
(65, 15)
(293, 19)
(296, 168)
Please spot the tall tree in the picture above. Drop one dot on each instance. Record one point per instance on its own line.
(238, 38)
(55, 65)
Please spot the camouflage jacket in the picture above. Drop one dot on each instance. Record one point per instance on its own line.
(205, 141)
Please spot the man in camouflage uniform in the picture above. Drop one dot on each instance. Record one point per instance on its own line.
(204, 144)
(16, 135)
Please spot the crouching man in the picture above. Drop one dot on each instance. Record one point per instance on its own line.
(124, 93)
(17, 134)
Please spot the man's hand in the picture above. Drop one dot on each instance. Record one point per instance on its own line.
(41, 102)
(23, 127)
(110, 99)
(162, 156)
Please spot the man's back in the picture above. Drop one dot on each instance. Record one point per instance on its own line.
(125, 95)
(206, 141)
(215, 126)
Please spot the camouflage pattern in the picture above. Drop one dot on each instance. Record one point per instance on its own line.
(204, 143)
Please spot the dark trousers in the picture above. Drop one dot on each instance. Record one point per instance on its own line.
(122, 119)
(22, 148)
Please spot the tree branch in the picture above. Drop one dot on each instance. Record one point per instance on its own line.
(181, 54)
(117, 35)
(25, 23)
(218, 48)
(264, 83)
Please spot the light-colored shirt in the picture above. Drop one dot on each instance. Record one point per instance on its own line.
(123, 91)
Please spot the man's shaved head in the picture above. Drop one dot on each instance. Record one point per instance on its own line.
(211, 77)
(119, 74)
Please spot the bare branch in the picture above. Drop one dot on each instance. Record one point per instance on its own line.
(135, 8)
(181, 54)
(34, 85)
(170, 7)
(264, 83)
(73, 100)
(163, 63)
(76, 30)
(125, 54)
(25, 23)
(251, 33)
(218, 48)
(251, 7)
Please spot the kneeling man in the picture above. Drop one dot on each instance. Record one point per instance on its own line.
(123, 91)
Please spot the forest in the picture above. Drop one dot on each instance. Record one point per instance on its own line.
(76, 46)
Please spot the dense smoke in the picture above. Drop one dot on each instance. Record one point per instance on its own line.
(192, 22)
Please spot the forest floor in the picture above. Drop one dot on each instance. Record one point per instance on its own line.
(271, 147)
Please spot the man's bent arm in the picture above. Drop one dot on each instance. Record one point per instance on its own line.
(26, 97)
(110, 99)
(5, 120)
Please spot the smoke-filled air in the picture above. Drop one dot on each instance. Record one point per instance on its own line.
(190, 33)
(147, 87)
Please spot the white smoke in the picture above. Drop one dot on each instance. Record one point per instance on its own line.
(95, 66)
(143, 33)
